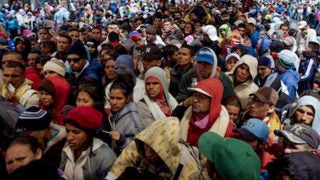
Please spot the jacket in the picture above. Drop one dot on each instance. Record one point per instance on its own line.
(97, 164)
(163, 137)
(290, 79)
(127, 122)
(245, 89)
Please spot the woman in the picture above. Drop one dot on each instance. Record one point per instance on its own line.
(124, 117)
(54, 93)
(93, 96)
(158, 103)
(84, 156)
(233, 106)
(108, 59)
(23, 159)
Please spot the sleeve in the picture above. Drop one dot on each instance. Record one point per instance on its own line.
(183, 89)
(144, 114)
(309, 72)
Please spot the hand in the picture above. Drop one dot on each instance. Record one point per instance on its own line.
(11, 97)
(115, 135)
(186, 103)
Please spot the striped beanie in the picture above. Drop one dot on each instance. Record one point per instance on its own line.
(33, 119)
(286, 58)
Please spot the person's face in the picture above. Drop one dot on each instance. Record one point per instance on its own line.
(92, 49)
(44, 34)
(184, 57)
(150, 37)
(153, 88)
(290, 147)
(187, 29)
(9, 58)
(147, 64)
(19, 155)
(45, 50)
(104, 34)
(76, 62)
(117, 99)
(263, 71)
(109, 69)
(167, 26)
(138, 41)
(200, 104)
(304, 114)
(151, 156)
(84, 99)
(84, 35)
(96, 34)
(234, 112)
(285, 28)
(157, 22)
(114, 28)
(45, 98)
(242, 31)
(242, 73)
(258, 109)
(204, 69)
(15, 76)
(63, 44)
(77, 138)
(49, 73)
(20, 47)
(230, 63)
(32, 57)
(223, 32)
(74, 35)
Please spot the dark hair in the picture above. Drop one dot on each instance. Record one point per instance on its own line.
(191, 48)
(67, 37)
(51, 44)
(15, 64)
(121, 49)
(97, 93)
(26, 140)
(113, 36)
(124, 81)
(73, 29)
(232, 100)
(169, 50)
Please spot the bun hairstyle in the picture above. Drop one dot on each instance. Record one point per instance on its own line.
(126, 82)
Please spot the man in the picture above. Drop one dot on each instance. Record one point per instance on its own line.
(297, 138)
(205, 113)
(168, 29)
(210, 38)
(16, 88)
(22, 46)
(205, 68)
(63, 44)
(242, 76)
(36, 123)
(252, 32)
(96, 34)
(158, 103)
(304, 36)
(74, 34)
(151, 58)
(184, 65)
(152, 37)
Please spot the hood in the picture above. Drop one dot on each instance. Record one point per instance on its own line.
(250, 61)
(312, 101)
(163, 137)
(227, 28)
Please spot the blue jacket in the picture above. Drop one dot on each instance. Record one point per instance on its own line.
(290, 78)
(307, 70)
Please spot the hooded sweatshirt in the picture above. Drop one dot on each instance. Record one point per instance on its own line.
(163, 137)
(245, 89)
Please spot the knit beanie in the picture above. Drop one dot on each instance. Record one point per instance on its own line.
(286, 58)
(266, 61)
(55, 65)
(33, 119)
(78, 48)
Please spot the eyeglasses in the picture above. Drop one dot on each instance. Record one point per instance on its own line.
(74, 59)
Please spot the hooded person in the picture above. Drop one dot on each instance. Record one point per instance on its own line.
(59, 89)
(23, 46)
(158, 151)
(125, 63)
(158, 103)
(231, 158)
(242, 76)
(205, 113)
(308, 104)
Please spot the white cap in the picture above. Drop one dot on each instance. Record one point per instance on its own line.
(302, 24)
(251, 20)
(211, 31)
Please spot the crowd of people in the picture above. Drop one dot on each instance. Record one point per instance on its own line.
(210, 89)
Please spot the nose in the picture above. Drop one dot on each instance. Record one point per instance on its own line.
(69, 137)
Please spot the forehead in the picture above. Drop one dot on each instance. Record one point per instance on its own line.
(306, 108)
(11, 57)
(73, 55)
(11, 70)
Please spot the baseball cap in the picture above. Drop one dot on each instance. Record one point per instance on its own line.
(231, 157)
(254, 127)
(300, 134)
(211, 31)
(288, 41)
(251, 20)
(267, 95)
(152, 52)
(302, 24)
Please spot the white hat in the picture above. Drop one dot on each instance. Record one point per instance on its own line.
(302, 24)
(251, 20)
(211, 31)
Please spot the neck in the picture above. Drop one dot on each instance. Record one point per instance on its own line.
(185, 67)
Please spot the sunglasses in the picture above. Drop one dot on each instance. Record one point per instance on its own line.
(74, 59)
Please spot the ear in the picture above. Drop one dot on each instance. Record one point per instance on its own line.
(38, 154)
